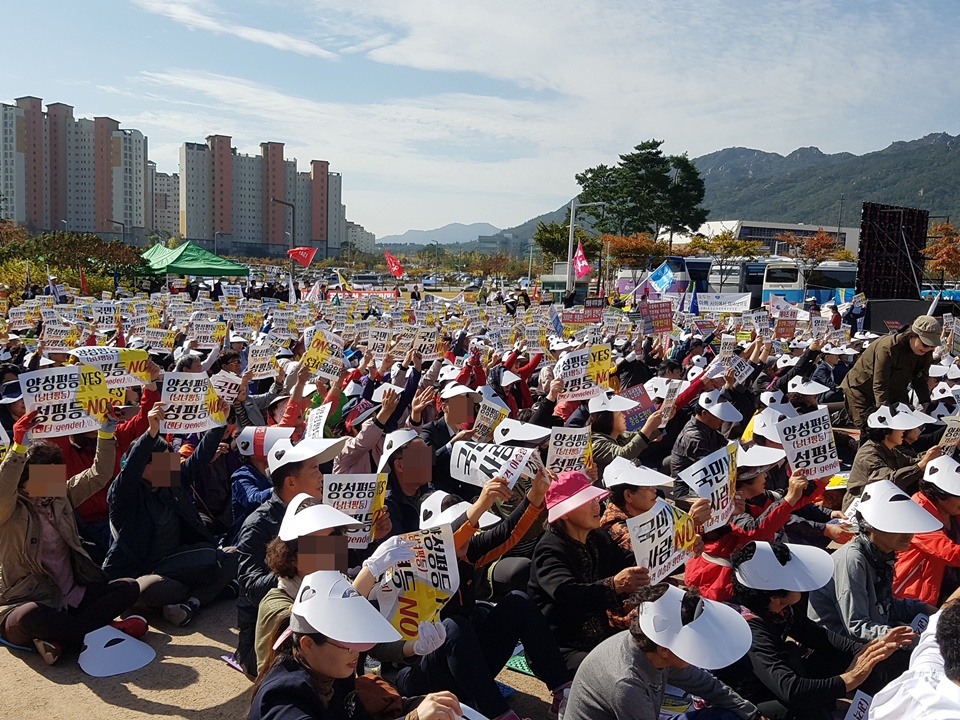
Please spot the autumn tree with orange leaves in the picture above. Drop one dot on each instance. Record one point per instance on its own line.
(637, 251)
(943, 251)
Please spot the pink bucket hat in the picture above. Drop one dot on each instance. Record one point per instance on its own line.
(568, 492)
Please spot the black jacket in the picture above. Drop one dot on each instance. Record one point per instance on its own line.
(436, 434)
(288, 693)
(262, 526)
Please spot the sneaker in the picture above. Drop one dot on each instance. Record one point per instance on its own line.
(180, 614)
(49, 650)
(135, 626)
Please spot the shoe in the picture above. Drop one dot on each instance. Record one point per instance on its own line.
(49, 650)
(230, 592)
(180, 614)
(135, 626)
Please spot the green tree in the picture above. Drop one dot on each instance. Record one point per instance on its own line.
(553, 238)
(646, 191)
(636, 252)
(727, 251)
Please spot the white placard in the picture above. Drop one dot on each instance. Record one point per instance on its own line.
(187, 403)
(316, 419)
(808, 441)
(478, 463)
(361, 497)
(662, 539)
(569, 449)
(713, 477)
(489, 415)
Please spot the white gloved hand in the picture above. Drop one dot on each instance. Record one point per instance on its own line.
(430, 638)
(392, 551)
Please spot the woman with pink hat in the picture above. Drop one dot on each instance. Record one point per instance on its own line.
(579, 573)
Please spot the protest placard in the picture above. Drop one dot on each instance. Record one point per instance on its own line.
(122, 367)
(226, 385)
(951, 435)
(189, 401)
(489, 415)
(61, 338)
(714, 477)
(478, 463)
(593, 309)
(673, 390)
(663, 538)
(359, 496)
(599, 368)
(661, 314)
(316, 419)
(808, 442)
(159, 340)
(378, 342)
(260, 360)
(415, 591)
(425, 343)
(68, 400)
(636, 418)
(860, 706)
(208, 334)
(535, 336)
(104, 314)
(569, 449)
(572, 369)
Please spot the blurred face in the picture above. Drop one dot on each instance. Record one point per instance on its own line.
(889, 542)
(911, 436)
(414, 466)
(919, 348)
(753, 488)
(640, 500)
(584, 518)
(322, 551)
(163, 470)
(791, 597)
(458, 410)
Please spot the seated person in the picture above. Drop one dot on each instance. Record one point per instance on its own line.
(795, 669)
(250, 483)
(159, 537)
(674, 634)
(52, 593)
(859, 599)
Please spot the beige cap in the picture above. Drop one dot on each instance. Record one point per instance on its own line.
(928, 328)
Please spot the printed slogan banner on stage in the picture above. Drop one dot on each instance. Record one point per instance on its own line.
(359, 496)
(68, 400)
(808, 442)
(479, 463)
(713, 477)
(663, 539)
(189, 403)
(416, 591)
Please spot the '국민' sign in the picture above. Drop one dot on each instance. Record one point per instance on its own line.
(479, 463)
(662, 538)
(713, 477)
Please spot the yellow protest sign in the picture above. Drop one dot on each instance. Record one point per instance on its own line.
(93, 396)
(599, 368)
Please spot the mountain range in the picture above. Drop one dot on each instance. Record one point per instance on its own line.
(446, 235)
(802, 187)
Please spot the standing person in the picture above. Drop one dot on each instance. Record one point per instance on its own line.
(415, 294)
(886, 370)
(836, 320)
(674, 634)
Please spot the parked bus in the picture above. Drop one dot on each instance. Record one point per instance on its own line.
(786, 279)
(740, 276)
(685, 271)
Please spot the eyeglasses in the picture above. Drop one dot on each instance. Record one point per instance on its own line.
(352, 647)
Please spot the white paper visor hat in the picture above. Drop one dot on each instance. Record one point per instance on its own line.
(433, 515)
(510, 430)
(394, 442)
(328, 604)
(107, 651)
(621, 471)
(889, 418)
(944, 472)
(717, 636)
(306, 515)
(608, 402)
(802, 386)
(809, 568)
(716, 406)
(258, 440)
(284, 452)
(886, 507)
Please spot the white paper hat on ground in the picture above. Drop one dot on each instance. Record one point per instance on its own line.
(716, 637)
(890, 418)
(809, 568)
(284, 452)
(306, 515)
(258, 440)
(886, 507)
(328, 604)
(433, 515)
(394, 442)
(944, 472)
(719, 408)
(608, 402)
(510, 430)
(621, 471)
(802, 386)
(107, 651)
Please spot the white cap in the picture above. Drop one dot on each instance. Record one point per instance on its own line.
(393, 442)
(717, 637)
(452, 391)
(937, 370)
(833, 350)
(694, 372)
(306, 515)
(448, 372)
(621, 471)
(886, 507)
(431, 514)
(809, 568)
(258, 440)
(377, 397)
(944, 472)
(284, 452)
(765, 424)
(787, 361)
(891, 418)
(328, 604)
(508, 378)
(719, 408)
(607, 401)
(353, 389)
(657, 387)
(759, 456)
(698, 361)
(510, 430)
(802, 386)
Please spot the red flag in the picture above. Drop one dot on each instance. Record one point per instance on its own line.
(580, 265)
(83, 283)
(303, 255)
(393, 265)
(536, 291)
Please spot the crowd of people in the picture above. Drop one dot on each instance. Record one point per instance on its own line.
(802, 589)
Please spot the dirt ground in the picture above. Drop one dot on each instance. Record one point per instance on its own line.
(186, 680)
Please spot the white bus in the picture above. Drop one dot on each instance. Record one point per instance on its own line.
(786, 278)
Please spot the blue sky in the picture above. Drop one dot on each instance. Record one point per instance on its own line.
(440, 112)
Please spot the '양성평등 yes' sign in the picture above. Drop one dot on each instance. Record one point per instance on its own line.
(68, 400)
(808, 442)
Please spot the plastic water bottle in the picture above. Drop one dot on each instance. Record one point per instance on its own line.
(371, 666)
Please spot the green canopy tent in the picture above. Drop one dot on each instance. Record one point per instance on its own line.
(190, 259)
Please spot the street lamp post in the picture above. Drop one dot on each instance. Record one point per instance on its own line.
(531, 246)
(215, 235)
(571, 278)
(64, 226)
(123, 228)
(293, 220)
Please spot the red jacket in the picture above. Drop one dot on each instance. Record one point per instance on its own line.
(78, 459)
(524, 372)
(919, 570)
(759, 522)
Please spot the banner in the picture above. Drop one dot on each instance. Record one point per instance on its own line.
(724, 302)
(808, 441)
(573, 368)
(359, 496)
(415, 591)
(569, 449)
(122, 367)
(478, 463)
(68, 400)
(489, 415)
(714, 477)
(663, 539)
(661, 315)
(189, 401)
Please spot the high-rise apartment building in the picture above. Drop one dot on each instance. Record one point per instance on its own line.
(361, 239)
(228, 199)
(163, 215)
(57, 172)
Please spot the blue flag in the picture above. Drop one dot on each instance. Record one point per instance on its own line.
(661, 278)
(694, 303)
